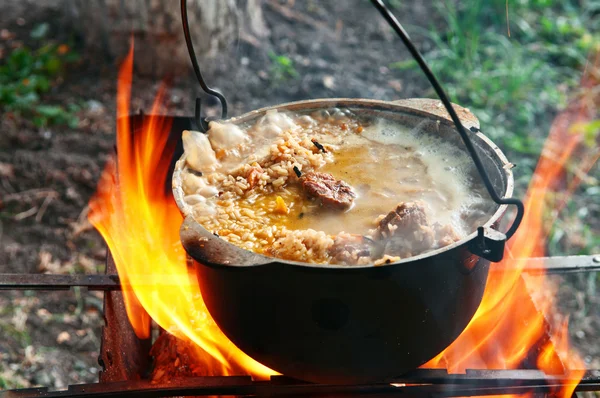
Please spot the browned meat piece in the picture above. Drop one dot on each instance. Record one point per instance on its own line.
(405, 217)
(406, 230)
(333, 193)
(350, 249)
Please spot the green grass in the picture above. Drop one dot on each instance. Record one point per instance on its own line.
(282, 68)
(8, 383)
(22, 337)
(513, 84)
(27, 74)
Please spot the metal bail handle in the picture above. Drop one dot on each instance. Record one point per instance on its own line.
(201, 122)
(483, 239)
(391, 19)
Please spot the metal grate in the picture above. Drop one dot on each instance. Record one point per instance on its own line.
(423, 382)
(125, 358)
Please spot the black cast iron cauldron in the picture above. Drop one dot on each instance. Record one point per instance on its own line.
(340, 324)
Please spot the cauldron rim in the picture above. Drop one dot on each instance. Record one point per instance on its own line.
(414, 107)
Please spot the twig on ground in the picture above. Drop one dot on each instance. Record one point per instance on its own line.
(36, 193)
(27, 213)
(82, 224)
(44, 207)
(39, 211)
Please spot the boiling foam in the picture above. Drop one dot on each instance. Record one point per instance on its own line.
(449, 167)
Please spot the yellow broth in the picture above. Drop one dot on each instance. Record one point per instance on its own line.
(382, 175)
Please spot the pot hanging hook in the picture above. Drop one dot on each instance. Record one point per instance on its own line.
(200, 121)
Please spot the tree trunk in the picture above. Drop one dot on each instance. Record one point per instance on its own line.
(107, 25)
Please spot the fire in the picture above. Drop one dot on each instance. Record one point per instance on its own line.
(506, 329)
(137, 216)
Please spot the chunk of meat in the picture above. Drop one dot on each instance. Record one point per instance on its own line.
(407, 216)
(332, 193)
(350, 249)
(406, 230)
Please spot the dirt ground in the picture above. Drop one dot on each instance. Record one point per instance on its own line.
(48, 175)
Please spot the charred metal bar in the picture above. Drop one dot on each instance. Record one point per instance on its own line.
(423, 382)
(58, 282)
(108, 282)
(493, 378)
(550, 265)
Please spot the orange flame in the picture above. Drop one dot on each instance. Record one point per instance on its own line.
(508, 327)
(139, 220)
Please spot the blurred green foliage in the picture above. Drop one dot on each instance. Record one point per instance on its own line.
(282, 68)
(514, 84)
(27, 74)
(590, 132)
(8, 383)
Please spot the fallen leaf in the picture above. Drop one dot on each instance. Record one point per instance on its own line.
(396, 84)
(329, 81)
(7, 170)
(44, 314)
(63, 337)
(47, 264)
(6, 34)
